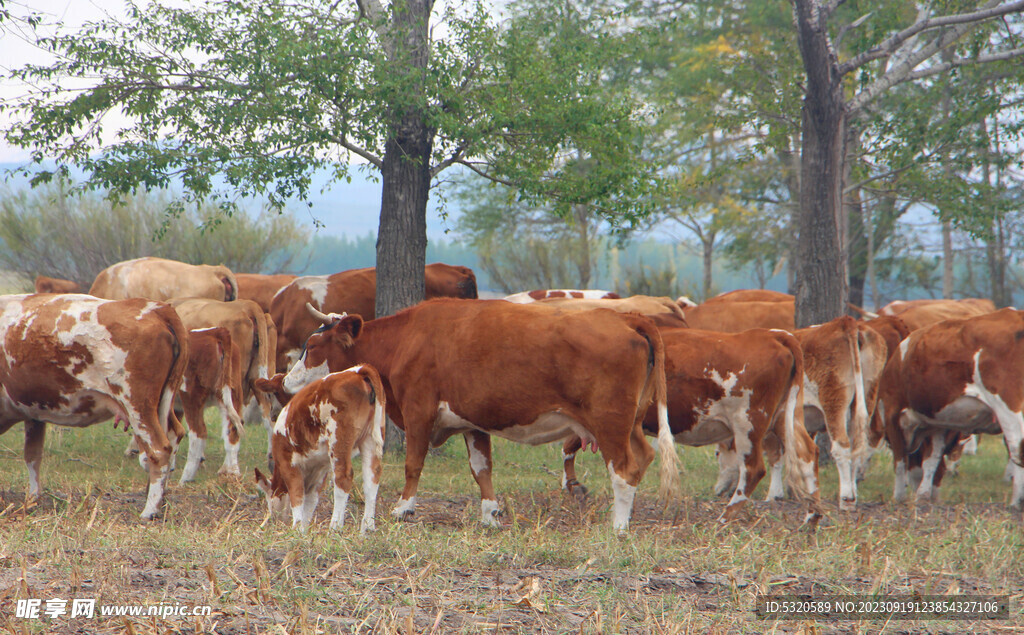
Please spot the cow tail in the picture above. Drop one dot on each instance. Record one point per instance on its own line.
(379, 402)
(669, 481)
(179, 349)
(859, 421)
(260, 344)
(233, 283)
(794, 416)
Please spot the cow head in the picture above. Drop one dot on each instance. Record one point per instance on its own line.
(339, 332)
(275, 493)
(273, 386)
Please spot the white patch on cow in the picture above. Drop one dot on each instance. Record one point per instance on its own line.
(728, 471)
(340, 505)
(323, 411)
(203, 330)
(156, 494)
(900, 483)
(404, 506)
(847, 479)
(926, 491)
(489, 511)
(477, 460)
(1011, 423)
(372, 449)
(196, 450)
(298, 517)
(776, 490)
(33, 479)
(1017, 476)
(724, 418)
(281, 426)
(565, 457)
(971, 446)
(184, 384)
(904, 347)
(685, 301)
(300, 376)
(316, 285)
(624, 493)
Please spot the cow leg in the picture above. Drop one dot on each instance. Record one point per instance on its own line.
(344, 477)
(156, 457)
(728, 468)
(35, 434)
(843, 458)
(773, 451)
(751, 471)
(571, 446)
(1009, 471)
(478, 445)
(625, 472)
(927, 490)
(837, 423)
(231, 429)
(311, 496)
(372, 459)
(417, 442)
(197, 435)
(1017, 474)
(901, 479)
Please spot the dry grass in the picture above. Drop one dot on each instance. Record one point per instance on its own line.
(556, 566)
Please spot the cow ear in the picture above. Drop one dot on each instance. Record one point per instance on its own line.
(353, 325)
(262, 483)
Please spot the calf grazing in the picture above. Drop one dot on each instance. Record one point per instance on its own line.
(75, 360)
(323, 426)
(213, 377)
(527, 373)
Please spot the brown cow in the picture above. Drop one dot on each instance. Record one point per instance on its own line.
(752, 295)
(45, 284)
(524, 372)
(892, 328)
(261, 288)
(318, 432)
(352, 292)
(75, 360)
(734, 388)
(642, 304)
(213, 377)
(161, 279)
(735, 317)
(526, 297)
(920, 313)
(953, 378)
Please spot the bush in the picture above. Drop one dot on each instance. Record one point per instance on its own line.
(52, 232)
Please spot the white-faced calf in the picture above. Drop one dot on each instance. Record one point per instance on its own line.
(321, 429)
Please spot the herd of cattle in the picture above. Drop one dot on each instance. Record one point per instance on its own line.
(154, 336)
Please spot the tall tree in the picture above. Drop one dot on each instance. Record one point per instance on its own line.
(904, 56)
(243, 97)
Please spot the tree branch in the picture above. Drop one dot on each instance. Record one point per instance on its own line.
(456, 157)
(376, 161)
(967, 61)
(890, 45)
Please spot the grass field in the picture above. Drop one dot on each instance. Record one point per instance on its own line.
(556, 566)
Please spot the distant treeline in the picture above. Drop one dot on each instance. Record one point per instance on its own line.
(677, 269)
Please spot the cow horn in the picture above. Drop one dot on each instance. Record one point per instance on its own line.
(326, 318)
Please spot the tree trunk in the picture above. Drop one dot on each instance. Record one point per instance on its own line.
(708, 252)
(857, 250)
(947, 259)
(405, 175)
(821, 264)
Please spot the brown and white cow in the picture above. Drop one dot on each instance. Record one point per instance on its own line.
(660, 308)
(353, 292)
(526, 297)
(524, 372)
(261, 288)
(734, 388)
(75, 360)
(951, 379)
(46, 284)
(322, 428)
(735, 317)
(162, 279)
(213, 377)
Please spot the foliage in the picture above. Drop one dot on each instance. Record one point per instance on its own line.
(261, 94)
(521, 245)
(56, 232)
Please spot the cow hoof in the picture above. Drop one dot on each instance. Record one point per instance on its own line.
(848, 504)
(577, 489)
(232, 472)
(403, 514)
